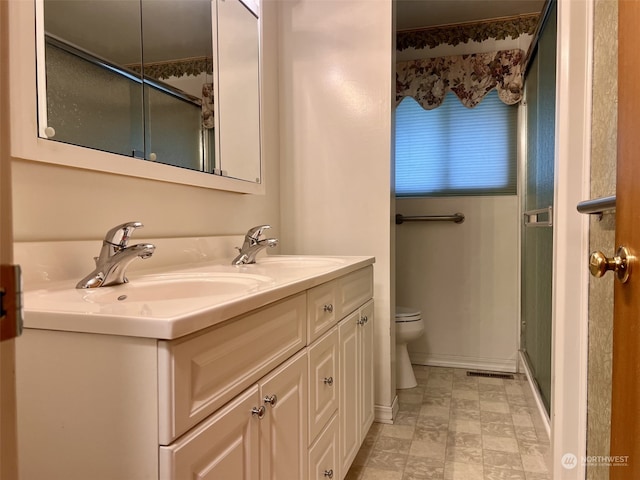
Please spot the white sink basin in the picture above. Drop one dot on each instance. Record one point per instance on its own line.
(177, 287)
(151, 295)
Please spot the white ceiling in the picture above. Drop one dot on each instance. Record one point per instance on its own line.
(411, 14)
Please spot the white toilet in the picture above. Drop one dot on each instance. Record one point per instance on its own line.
(409, 327)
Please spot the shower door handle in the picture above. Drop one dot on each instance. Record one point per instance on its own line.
(599, 264)
(532, 217)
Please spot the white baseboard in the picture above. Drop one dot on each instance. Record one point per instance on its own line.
(386, 414)
(454, 361)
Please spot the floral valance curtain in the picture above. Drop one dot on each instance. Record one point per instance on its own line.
(207, 105)
(184, 67)
(470, 77)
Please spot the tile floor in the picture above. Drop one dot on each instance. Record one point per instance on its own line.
(456, 427)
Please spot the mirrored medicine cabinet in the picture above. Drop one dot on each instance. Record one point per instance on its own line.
(161, 89)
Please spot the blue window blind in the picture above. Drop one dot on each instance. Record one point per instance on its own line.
(455, 150)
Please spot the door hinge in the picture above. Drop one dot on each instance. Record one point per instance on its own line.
(10, 302)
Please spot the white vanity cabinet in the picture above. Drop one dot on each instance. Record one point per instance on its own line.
(281, 392)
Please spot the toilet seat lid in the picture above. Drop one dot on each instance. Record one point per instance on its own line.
(405, 314)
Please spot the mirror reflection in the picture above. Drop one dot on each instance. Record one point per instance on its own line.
(91, 100)
(141, 78)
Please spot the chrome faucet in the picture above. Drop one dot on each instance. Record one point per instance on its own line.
(253, 243)
(115, 257)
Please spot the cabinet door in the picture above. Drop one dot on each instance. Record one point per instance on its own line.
(225, 446)
(349, 361)
(323, 387)
(283, 429)
(366, 368)
(323, 454)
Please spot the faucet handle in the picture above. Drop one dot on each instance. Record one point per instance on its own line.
(256, 232)
(119, 236)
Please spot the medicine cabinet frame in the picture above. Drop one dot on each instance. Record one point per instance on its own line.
(26, 144)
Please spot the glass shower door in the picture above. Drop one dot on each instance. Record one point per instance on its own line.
(537, 232)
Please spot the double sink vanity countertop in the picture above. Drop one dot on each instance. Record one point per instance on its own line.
(172, 302)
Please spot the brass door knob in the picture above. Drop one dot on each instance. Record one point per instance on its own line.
(599, 264)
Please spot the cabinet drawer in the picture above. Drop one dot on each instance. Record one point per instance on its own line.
(323, 382)
(322, 311)
(353, 290)
(332, 301)
(323, 455)
(199, 373)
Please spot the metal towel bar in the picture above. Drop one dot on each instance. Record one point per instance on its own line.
(531, 217)
(455, 218)
(597, 206)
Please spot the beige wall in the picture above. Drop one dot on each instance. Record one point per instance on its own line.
(59, 203)
(335, 126)
(602, 233)
(464, 278)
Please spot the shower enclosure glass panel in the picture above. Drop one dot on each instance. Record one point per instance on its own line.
(537, 239)
(89, 104)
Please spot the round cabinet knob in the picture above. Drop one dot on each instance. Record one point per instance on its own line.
(328, 473)
(599, 264)
(328, 381)
(271, 400)
(258, 412)
(363, 320)
(328, 308)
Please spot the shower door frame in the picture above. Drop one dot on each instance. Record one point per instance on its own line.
(536, 241)
(571, 238)
(569, 349)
